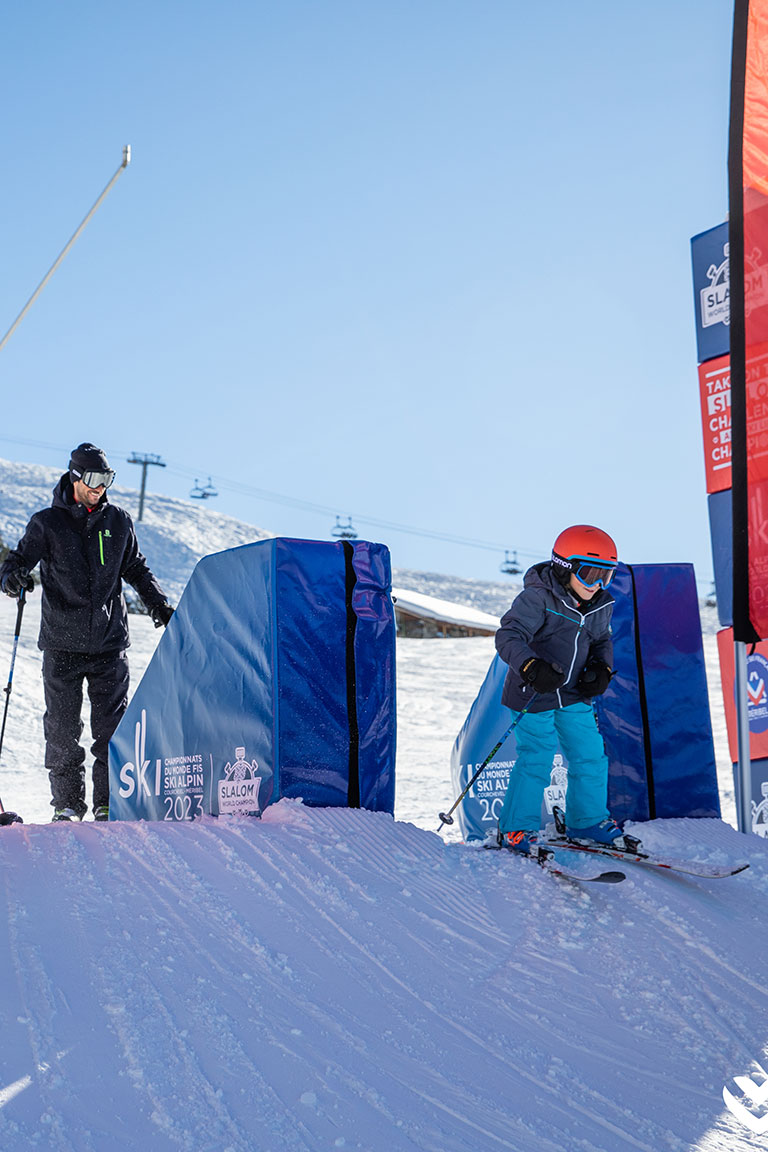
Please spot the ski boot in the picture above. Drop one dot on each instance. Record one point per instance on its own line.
(68, 814)
(606, 834)
(523, 843)
(101, 812)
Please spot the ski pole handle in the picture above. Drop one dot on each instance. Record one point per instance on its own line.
(447, 817)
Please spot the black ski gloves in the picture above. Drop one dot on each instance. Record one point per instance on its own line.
(16, 580)
(161, 614)
(595, 678)
(541, 675)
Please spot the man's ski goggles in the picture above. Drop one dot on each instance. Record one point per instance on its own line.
(97, 479)
(591, 575)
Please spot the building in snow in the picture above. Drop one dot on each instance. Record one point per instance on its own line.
(421, 616)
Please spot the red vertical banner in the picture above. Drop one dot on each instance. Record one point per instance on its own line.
(715, 393)
(748, 236)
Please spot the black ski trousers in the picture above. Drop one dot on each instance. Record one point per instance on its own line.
(64, 673)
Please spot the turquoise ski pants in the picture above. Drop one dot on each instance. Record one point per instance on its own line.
(537, 737)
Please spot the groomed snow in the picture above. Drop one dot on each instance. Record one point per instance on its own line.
(330, 979)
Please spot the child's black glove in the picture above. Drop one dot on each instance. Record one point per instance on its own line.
(595, 678)
(541, 675)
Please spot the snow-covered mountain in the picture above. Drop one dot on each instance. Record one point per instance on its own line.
(173, 534)
(331, 979)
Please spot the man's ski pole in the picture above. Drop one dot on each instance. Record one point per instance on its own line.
(447, 817)
(11, 817)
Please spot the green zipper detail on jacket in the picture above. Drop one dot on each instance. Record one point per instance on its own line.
(101, 548)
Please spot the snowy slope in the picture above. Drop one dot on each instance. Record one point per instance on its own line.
(329, 979)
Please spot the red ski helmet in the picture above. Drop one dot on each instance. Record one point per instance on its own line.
(587, 553)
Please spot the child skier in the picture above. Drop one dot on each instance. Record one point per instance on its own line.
(556, 639)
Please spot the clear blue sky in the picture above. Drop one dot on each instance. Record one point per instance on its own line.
(426, 263)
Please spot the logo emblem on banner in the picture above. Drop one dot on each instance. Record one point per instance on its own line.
(715, 302)
(760, 813)
(239, 790)
(755, 282)
(757, 692)
(554, 794)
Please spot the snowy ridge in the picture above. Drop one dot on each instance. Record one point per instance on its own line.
(173, 534)
(329, 979)
(484, 595)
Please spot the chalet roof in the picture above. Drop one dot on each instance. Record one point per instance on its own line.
(431, 608)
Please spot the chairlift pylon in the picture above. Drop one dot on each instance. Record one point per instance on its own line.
(344, 531)
(510, 566)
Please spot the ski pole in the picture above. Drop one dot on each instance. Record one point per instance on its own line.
(11, 817)
(447, 817)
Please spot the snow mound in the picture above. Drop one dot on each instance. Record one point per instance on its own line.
(327, 978)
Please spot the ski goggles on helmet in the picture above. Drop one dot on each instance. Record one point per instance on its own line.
(590, 574)
(96, 479)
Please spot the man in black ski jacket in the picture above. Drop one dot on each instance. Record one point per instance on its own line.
(85, 547)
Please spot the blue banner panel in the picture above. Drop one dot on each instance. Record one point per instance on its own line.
(375, 675)
(620, 711)
(313, 712)
(203, 711)
(253, 692)
(681, 748)
(709, 253)
(721, 534)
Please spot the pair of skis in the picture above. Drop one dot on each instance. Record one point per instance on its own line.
(633, 853)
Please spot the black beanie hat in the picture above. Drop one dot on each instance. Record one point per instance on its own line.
(87, 458)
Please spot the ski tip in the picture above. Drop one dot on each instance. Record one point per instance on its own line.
(610, 877)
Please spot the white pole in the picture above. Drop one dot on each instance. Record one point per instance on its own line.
(744, 768)
(126, 161)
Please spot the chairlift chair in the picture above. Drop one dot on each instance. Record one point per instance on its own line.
(203, 492)
(510, 567)
(344, 531)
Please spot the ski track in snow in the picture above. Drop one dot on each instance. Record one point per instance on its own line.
(329, 978)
